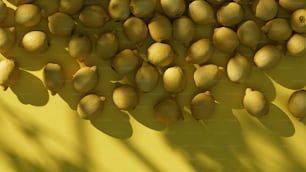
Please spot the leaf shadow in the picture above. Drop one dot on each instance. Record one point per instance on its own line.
(31, 133)
(261, 140)
(19, 163)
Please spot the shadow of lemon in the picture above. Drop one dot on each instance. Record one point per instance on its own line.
(30, 90)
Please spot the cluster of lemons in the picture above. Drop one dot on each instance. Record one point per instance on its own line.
(266, 29)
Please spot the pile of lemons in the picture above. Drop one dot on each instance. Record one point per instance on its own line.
(266, 29)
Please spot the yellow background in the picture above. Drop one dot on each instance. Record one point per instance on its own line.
(40, 132)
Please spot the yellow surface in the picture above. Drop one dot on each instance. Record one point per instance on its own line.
(40, 132)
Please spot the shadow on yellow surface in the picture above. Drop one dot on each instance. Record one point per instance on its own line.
(42, 133)
(236, 142)
(114, 123)
(290, 72)
(30, 90)
(232, 140)
(277, 122)
(30, 152)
